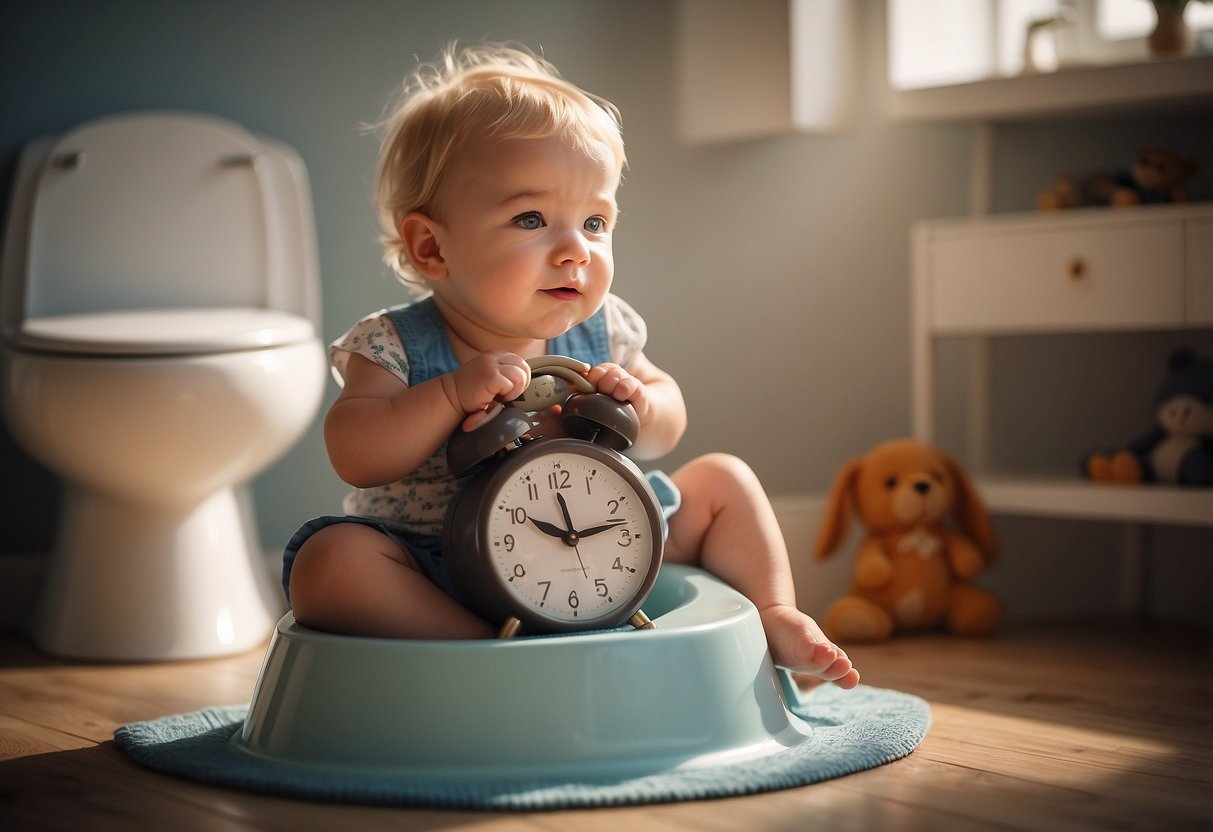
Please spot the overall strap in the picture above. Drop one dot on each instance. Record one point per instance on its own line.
(428, 350)
(423, 333)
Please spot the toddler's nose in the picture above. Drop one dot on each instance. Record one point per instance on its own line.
(572, 248)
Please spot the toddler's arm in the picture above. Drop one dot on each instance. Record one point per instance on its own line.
(656, 397)
(380, 429)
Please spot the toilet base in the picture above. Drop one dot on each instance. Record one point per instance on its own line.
(150, 583)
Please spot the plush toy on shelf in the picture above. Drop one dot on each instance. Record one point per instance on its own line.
(1178, 447)
(915, 567)
(1157, 175)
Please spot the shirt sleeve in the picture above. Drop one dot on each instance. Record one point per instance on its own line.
(375, 339)
(626, 331)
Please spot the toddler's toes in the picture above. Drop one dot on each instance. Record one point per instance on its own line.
(842, 673)
(798, 644)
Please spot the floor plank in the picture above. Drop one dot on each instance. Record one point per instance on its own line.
(1086, 726)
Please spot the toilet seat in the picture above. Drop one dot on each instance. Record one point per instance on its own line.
(158, 332)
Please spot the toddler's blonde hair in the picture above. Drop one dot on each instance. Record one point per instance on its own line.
(492, 91)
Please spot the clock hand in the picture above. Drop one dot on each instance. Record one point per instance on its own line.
(564, 509)
(549, 529)
(614, 524)
(572, 536)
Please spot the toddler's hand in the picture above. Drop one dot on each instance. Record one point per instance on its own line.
(622, 386)
(490, 378)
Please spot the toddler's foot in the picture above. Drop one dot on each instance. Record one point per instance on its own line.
(798, 644)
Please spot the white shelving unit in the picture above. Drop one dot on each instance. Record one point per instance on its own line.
(1018, 275)
(1164, 82)
(1102, 270)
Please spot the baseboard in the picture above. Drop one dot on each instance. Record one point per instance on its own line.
(818, 582)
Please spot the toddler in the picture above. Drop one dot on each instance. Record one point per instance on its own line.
(496, 190)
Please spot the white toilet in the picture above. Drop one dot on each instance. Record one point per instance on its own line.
(159, 302)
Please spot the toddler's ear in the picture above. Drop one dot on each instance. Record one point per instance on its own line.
(421, 236)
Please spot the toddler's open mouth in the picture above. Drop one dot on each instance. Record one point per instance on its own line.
(563, 293)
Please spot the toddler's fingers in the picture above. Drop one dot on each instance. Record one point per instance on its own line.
(516, 375)
(627, 388)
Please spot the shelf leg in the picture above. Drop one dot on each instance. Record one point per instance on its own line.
(981, 170)
(1135, 569)
(978, 428)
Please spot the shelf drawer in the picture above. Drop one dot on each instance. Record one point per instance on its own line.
(1127, 276)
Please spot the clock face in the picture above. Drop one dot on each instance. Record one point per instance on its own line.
(571, 536)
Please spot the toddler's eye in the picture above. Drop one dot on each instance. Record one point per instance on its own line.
(595, 225)
(890, 483)
(529, 220)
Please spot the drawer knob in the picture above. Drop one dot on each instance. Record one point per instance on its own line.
(1076, 268)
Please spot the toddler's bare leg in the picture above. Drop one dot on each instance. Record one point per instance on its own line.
(351, 579)
(726, 525)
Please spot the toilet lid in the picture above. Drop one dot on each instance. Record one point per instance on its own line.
(163, 331)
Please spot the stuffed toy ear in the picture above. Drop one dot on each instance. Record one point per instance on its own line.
(838, 510)
(970, 513)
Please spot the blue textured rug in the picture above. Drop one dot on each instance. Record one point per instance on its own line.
(852, 731)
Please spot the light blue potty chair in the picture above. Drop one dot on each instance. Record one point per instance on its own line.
(697, 689)
(693, 708)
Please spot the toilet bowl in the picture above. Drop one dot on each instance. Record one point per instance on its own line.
(160, 347)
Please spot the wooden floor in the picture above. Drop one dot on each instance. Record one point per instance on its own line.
(1060, 727)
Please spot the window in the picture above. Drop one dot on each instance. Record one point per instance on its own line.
(941, 42)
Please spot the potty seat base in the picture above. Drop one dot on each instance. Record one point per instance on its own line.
(691, 709)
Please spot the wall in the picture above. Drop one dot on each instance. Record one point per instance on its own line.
(781, 247)
(772, 273)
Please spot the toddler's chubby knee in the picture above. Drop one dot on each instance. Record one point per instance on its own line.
(724, 465)
(722, 472)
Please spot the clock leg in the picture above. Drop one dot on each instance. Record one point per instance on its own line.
(641, 621)
(510, 628)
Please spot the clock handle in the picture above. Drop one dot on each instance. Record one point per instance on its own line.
(587, 414)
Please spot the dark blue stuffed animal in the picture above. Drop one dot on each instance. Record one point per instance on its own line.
(1178, 448)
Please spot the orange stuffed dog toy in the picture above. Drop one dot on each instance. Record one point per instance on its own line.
(912, 572)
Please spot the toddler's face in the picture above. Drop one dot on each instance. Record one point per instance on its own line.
(526, 236)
